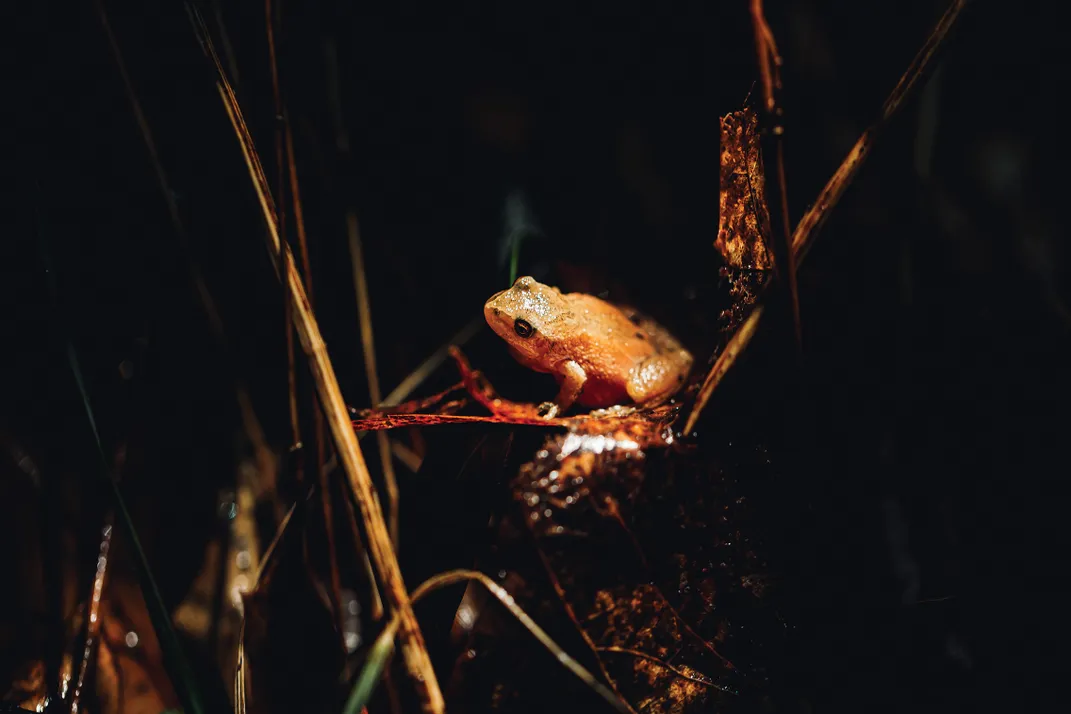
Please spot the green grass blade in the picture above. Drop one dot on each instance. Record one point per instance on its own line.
(174, 659)
(514, 258)
(372, 670)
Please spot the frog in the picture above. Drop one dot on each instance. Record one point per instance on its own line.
(603, 355)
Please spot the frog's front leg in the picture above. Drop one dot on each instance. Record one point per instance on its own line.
(658, 376)
(573, 378)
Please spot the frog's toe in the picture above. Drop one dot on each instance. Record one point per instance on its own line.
(548, 410)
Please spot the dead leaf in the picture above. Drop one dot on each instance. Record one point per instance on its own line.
(744, 226)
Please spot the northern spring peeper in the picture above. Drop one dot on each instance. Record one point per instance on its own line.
(602, 355)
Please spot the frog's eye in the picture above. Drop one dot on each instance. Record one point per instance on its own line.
(523, 328)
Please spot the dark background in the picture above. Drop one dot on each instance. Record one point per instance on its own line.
(926, 435)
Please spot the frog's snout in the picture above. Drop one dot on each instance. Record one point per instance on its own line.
(490, 312)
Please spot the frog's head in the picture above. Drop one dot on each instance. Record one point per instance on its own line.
(530, 317)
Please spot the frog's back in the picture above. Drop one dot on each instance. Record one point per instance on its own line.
(637, 333)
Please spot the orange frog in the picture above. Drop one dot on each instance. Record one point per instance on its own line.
(602, 355)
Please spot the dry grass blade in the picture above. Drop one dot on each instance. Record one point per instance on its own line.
(280, 188)
(299, 213)
(335, 593)
(364, 304)
(225, 40)
(93, 619)
(414, 652)
(769, 72)
(814, 219)
(409, 458)
(269, 552)
(376, 609)
(282, 164)
(306, 265)
(726, 359)
(361, 690)
(364, 310)
(239, 676)
(268, 557)
(417, 377)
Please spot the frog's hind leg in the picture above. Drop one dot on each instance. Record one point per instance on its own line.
(657, 376)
